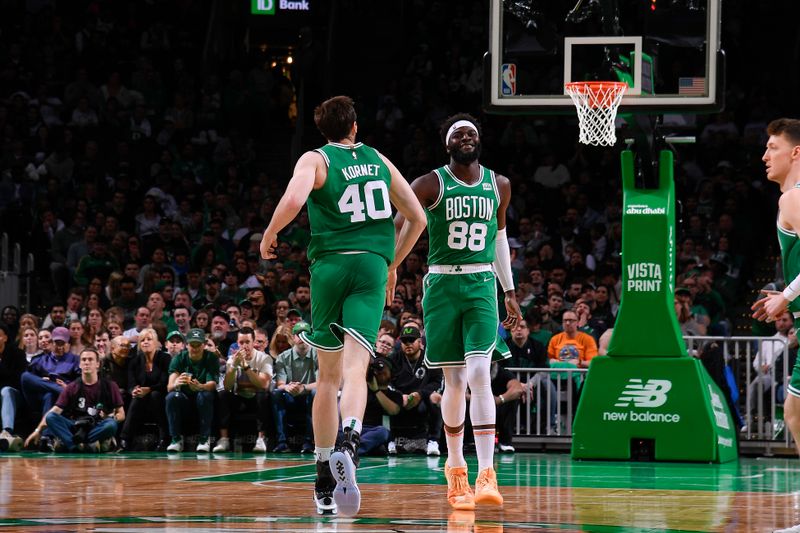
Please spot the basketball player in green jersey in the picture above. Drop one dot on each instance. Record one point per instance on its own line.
(466, 207)
(348, 187)
(782, 158)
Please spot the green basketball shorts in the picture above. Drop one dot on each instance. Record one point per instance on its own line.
(348, 292)
(460, 314)
(794, 383)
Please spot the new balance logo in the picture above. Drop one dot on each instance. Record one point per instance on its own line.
(651, 394)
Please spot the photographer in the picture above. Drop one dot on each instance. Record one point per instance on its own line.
(382, 399)
(86, 414)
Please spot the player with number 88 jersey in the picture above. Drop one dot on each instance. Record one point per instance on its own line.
(466, 210)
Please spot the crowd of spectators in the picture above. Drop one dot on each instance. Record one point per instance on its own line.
(130, 168)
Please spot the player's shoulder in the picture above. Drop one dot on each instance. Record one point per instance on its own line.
(501, 180)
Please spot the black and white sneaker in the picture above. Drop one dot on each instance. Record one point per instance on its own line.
(343, 466)
(323, 489)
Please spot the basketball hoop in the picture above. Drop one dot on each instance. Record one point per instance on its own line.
(597, 103)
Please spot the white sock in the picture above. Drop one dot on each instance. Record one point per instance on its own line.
(454, 408)
(482, 409)
(323, 454)
(353, 423)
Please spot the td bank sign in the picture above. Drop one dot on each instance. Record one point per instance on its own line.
(268, 7)
(638, 398)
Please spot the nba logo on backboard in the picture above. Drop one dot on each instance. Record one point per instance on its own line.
(509, 79)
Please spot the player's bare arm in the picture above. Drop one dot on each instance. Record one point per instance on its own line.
(309, 174)
(403, 198)
(502, 256)
(774, 303)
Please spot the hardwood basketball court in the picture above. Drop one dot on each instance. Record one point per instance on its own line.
(544, 492)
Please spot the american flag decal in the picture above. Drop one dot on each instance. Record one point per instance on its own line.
(691, 86)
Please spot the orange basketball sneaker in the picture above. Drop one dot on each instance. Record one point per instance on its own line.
(486, 492)
(459, 493)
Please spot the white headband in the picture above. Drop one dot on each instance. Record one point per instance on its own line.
(456, 125)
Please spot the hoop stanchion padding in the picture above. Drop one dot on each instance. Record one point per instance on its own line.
(597, 103)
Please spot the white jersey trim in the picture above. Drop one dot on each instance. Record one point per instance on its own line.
(324, 156)
(441, 191)
(463, 184)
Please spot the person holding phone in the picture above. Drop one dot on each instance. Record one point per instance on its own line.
(190, 391)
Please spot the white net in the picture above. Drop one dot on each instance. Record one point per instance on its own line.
(597, 104)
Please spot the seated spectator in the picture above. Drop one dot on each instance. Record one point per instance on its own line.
(763, 362)
(688, 322)
(176, 343)
(421, 416)
(382, 399)
(78, 338)
(572, 346)
(296, 382)
(507, 391)
(191, 387)
(102, 343)
(115, 367)
(527, 352)
(86, 415)
(29, 342)
(245, 381)
(148, 374)
(12, 365)
(45, 339)
(49, 373)
(282, 340)
(384, 346)
(220, 332)
(142, 320)
(571, 349)
(57, 317)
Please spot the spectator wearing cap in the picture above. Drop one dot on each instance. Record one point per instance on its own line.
(395, 309)
(176, 343)
(190, 391)
(211, 293)
(49, 373)
(245, 382)
(296, 372)
(294, 317)
(148, 374)
(421, 416)
(221, 332)
(12, 365)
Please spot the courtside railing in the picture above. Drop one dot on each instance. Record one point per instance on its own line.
(756, 393)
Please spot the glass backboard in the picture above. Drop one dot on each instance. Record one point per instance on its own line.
(668, 51)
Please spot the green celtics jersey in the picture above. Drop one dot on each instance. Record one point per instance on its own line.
(790, 258)
(351, 212)
(462, 222)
